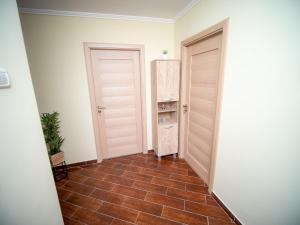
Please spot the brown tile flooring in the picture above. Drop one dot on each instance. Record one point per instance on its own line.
(138, 189)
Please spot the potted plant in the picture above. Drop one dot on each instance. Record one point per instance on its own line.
(165, 54)
(51, 125)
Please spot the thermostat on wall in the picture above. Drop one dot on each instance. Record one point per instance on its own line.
(4, 79)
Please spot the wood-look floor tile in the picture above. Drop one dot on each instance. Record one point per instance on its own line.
(84, 201)
(80, 188)
(207, 210)
(144, 165)
(119, 180)
(137, 176)
(128, 191)
(155, 173)
(135, 157)
(128, 168)
(150, 187)
(68, 221)
(91, 217)
(168, 183)
(120, 222)
(138, 189)
(165, 200)
(213, 221)
(108, 196)
(173, 170)
(92, 166)
(76, 177)
(143, 206)
(187, 179)
(192, 173)
(61, 183)
(93, 174)
(108, 163)
(99, 184)
(74, 169)
(147, 219)
(68, 209)
(211, 201)
(174, 165)
(184, 217)
(121, 160)
(197, 188)
(187, 195)
(110, 170)
(119, 212)
(63, 194)
(177, 159)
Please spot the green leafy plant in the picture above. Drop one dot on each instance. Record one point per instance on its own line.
(165, 52)
(51, 125)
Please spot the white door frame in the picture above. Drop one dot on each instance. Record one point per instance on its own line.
(88, 46)
(220, 27)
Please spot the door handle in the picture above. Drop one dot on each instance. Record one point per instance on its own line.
(185, 107)
(100, 108)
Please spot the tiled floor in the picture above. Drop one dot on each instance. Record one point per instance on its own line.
(138, 189)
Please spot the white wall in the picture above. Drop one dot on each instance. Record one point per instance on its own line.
(55, 51)
(27, 190)
(258, 172)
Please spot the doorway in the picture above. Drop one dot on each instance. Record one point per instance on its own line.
(117, 94)
(201, 95)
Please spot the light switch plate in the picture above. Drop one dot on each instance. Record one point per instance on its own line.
(4, 79)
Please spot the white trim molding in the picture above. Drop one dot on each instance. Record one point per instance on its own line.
(93, 15)
(186, 9)
(51, 12)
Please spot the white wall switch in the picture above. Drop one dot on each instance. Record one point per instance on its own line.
(4, 79)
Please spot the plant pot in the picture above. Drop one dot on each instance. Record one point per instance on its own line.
(57, 158)
(165, 56)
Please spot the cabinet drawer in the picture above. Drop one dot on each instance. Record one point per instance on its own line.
(167, 139)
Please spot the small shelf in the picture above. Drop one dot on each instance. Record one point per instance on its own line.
(166, 101)
(163, 107)
(167, 117)
(167, 123)
(165, 111)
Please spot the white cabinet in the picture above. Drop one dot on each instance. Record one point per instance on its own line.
(165, 105)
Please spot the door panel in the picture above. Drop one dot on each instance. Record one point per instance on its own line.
(116, 76)
(203, 76)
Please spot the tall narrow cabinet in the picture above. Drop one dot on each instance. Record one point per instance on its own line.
(165, 106)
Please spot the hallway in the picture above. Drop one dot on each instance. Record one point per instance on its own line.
(137, 189)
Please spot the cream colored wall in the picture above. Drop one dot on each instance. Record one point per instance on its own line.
(27, 190)
(55, 50)
(257, 173)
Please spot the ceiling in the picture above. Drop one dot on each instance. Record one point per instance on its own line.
(167, 9)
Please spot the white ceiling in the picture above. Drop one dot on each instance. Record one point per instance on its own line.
(167, 9)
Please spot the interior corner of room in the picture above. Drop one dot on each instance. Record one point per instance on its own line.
(168, 112)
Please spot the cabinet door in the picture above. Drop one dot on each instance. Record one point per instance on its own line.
(167, 139)
(173, 77)
(167, 81)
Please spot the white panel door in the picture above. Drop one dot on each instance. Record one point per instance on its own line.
(203, 76)
(116, 75)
